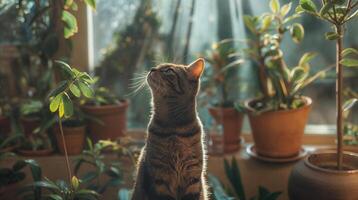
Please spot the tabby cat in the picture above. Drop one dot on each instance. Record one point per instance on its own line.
(172, 164)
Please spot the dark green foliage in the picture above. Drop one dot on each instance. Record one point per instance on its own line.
(94, 157)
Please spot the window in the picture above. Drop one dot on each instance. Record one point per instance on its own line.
(132, 36)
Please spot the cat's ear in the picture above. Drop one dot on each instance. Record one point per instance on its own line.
(196, 68)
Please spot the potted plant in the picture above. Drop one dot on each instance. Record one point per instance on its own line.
(350, 127)
(278, 117)
(5, 123)
(11, 177)
(223, 110)
(74, 129)
(109, 113)
(330, 174)
(31, 114)
(94, 157)
(9, 143)
(38, 144)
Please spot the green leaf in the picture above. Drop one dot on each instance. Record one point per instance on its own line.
(249, 23)
(349, 104)
(275, 6)
(68, 106)
(331, 36)
(65, 67)
(266, 22)
(55, 103)
(75, 90)
(85, 89)
(75, 182)
(307, 57)
(285, 9)
(54, 197)
(355, 14)
(349, 62)
(297, 32)
(70, 24)
(298, 74)
(91, 3)
(349, 51)
(61, 109)
(325, 9)
(59, 88)
(68, 3)
(308, 5)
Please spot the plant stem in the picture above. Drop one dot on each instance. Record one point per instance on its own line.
(65, 148)
(339, 97)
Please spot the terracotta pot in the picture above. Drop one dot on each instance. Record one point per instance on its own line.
(231, 121)
(5, 125)
(315, 178)
(278, 134)
(113, 121)
(10, 191)
(35, 153)
(74, 138)
(29, 124)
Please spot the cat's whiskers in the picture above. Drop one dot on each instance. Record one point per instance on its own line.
(139, 82)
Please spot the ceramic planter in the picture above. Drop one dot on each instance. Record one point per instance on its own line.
(112, 121)
(315, 178)
(278, 134)
(5, 125)
(74, 138)
(29, 124)
(231, 121)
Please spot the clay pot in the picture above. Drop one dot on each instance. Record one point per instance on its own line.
(231, 121)
(112, 121)
(5, 125)
(74, 138)
(278, 134)
(35, 153)
(29, 124)
(315, 178)
(10, 191)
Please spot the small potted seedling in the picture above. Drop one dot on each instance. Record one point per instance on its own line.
(278, 117)
(330, 174)
(109, 112)
(223, 110)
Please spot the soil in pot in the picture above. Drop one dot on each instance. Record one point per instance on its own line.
(5, 125)
(74, 138)
(278, 134)
(317, 177)
(231, 121)
(112, 121)
(29, 124)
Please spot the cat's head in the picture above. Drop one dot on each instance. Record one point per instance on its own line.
(178, 81)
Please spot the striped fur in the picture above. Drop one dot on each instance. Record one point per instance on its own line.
(172, 164)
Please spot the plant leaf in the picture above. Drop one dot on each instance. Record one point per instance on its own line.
(266, 22)
(70, 24)
(297, 32)
(307, 57)
(349, 104)
(85, 89)
(75, 182)
(75, 90)
(68, 106)
(275, 6)
(349, 51)
(308, 6)
(331, 35)
(91, 3)
(286, 9)
(249, 23)
(349, 62)
(55, 103)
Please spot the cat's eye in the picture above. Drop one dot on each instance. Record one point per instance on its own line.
(168, 71)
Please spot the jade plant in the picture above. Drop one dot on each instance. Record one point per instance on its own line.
(280, 84)
(337, 13)
(74, 85)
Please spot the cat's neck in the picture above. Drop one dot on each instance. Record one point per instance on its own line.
(174, 113)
